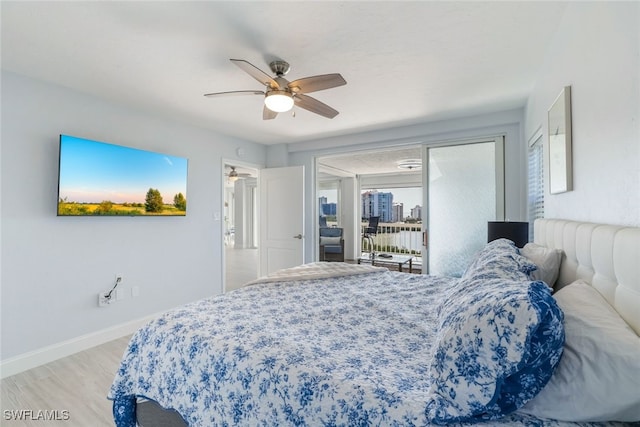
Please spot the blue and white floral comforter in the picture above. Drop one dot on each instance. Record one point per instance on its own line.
(353, 351)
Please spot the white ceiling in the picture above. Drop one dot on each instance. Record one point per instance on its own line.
(374, 162)
(404, 62)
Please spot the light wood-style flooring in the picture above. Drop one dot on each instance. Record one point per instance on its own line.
(77, 384)
(241, 266)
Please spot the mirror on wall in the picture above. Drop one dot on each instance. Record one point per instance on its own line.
(560, 166)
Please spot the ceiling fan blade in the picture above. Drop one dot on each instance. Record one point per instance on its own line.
(315, 106)
(256, 73)
(236, 92)
(316, 83)
(267, 114)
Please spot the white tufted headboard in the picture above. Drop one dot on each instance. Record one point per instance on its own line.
(605, 256)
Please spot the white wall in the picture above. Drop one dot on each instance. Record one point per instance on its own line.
(597, 52)
(53, 267)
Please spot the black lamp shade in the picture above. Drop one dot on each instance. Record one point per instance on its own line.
(518, 232)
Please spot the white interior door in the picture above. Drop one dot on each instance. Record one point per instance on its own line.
(281, 207)
(464, 188)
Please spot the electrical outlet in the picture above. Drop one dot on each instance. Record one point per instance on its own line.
(103, 300)
(135, 291)
(120, 294)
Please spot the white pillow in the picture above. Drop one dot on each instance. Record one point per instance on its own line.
(598, 377)
(546, 259)
(327, 240)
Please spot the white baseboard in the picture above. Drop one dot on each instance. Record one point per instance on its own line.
(33, 359)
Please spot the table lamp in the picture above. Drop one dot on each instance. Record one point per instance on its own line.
(516, 231)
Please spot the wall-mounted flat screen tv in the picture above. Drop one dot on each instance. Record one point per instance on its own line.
(96, 178)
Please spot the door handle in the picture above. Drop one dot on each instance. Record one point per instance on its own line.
(425, 239)
(298, 236)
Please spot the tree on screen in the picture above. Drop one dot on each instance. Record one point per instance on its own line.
(104, 208)
(180, 202)
(153, 201)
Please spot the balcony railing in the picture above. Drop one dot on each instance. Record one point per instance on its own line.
(395, 238)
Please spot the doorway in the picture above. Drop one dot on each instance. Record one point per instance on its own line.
(460, 185)
(240, 226)
(390, 173)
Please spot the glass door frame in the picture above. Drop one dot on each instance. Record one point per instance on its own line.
(499, 142)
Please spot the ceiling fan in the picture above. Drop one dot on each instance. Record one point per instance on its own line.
(280, 94)
(233, 175)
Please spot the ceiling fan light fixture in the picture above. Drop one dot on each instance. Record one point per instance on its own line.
(233, 174)
(278, 101)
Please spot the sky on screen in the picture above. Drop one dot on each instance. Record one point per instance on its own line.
(91, 172)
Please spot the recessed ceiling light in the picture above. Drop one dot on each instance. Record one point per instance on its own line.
(410, 164)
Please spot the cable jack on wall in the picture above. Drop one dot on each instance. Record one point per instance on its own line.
(105, 298)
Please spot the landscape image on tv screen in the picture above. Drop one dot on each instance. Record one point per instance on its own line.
(96, 178)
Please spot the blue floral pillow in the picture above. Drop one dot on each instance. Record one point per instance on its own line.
(499, 259)
(498, 343)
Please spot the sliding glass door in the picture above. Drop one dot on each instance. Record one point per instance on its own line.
(463, 189)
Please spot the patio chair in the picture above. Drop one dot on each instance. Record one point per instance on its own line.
(331, 244)
(369, 231)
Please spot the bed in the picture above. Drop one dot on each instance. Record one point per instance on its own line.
(546, 335)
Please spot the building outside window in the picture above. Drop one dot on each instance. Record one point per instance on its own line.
(375, 203)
